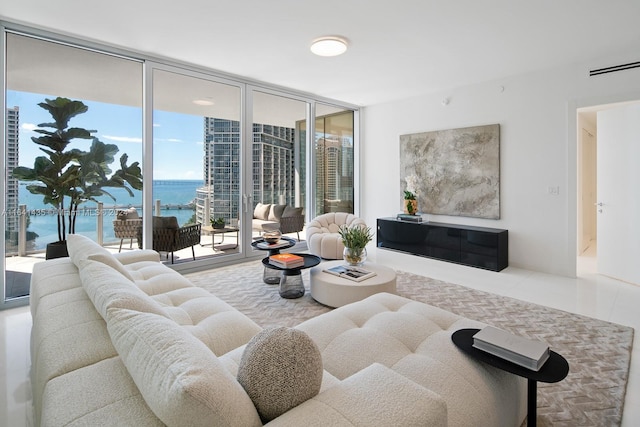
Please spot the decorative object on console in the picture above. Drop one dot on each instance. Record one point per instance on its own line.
(355, 239)
(458, 170)
(410, 203)
(410, 218)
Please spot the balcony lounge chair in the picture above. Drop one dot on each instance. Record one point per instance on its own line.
(128, 225)
(168, 236)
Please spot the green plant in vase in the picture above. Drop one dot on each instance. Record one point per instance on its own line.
(218, 222)
(355, 240)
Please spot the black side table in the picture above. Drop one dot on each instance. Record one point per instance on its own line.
(291, 284)
(268, 277)
(555, 369)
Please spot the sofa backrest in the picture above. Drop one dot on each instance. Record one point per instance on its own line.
(181, 380)
(81, 248)
(168, 222)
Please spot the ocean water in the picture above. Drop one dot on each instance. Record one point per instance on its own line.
(174, 196)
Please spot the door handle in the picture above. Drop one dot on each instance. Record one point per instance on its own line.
(599, 204)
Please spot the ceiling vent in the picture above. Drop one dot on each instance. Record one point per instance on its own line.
(613, 69)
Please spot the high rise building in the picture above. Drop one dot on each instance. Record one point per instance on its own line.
(272, 168)
(334, 175)
(12, 157)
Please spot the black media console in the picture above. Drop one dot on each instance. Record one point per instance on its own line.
(481, 247)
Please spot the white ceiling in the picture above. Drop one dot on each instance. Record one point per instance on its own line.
(397, 49)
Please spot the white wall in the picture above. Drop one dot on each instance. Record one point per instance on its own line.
(537, 117)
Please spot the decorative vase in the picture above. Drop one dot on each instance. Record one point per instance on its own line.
(272, 236)
(354, 256)
(219, 226)
(410, 206)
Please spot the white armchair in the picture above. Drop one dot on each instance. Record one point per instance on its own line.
(323, 238)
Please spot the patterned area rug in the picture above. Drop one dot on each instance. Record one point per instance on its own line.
(598, 352)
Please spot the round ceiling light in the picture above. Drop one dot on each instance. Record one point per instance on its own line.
(329, 46)
(203, 102)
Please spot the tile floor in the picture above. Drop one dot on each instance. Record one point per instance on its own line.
(589, 294)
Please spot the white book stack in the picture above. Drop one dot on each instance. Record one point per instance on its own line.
(530, 354)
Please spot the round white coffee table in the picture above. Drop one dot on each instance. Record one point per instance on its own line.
(335, 291)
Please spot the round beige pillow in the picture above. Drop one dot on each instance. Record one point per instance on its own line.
(279, 369)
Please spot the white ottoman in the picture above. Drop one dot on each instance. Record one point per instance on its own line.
(335, 291)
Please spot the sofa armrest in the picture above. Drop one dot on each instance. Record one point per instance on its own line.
(136, 256)
(374, 396)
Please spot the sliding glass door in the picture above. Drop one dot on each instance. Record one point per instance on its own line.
(277, 163)
(196, 165)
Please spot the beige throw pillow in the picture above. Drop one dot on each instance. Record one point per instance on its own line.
(261, 211)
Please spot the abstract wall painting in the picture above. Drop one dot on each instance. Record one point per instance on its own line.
(458, 170)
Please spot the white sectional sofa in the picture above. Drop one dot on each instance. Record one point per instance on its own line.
(122, 340)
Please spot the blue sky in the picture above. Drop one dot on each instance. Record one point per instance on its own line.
(178, 146)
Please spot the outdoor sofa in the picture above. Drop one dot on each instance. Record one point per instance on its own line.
(286, 218)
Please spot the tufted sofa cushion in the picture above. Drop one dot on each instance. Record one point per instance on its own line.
(215, 323)
(374, 396)
(322, 233)
(414, 339)
(280, 368)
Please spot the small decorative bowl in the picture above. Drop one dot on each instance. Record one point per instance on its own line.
(271, 236)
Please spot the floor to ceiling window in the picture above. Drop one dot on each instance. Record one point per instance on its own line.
(196, 164)
(276, 161)
(208, 147)
(334, 159)
(66, 107)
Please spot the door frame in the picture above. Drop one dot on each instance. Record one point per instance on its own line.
(573, 128)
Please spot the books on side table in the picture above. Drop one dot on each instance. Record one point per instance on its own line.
(286, 260)
(522, 351)
(277, 245)
(356, 274)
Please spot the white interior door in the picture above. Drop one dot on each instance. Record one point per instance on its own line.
(618, 192)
